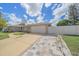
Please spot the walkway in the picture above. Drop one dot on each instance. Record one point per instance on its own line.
(47, 46)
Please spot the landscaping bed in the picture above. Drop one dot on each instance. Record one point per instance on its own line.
(72, 42)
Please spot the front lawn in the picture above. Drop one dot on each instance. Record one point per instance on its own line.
(3, 35)
(73, 44)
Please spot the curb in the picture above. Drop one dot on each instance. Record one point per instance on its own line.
(65, 50)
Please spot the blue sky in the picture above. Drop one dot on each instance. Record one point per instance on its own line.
(33, 12)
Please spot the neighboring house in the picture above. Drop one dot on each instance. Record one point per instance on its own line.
(33, 28)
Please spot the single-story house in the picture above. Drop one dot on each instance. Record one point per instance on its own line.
(33, 28)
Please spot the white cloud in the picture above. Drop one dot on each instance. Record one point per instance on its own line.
(54, 6)
(59, 12)
(10, 23)
(1, 8)
(40, 19)
(32, 9)
(14, 20)
(47, 4)
(54, 21)
(25, 16)
(30, 21)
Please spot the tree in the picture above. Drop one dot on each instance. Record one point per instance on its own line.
(3, 22)
(73, 13)
(73, 16)
(63, 23)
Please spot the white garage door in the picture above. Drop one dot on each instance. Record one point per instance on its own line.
(38, 29)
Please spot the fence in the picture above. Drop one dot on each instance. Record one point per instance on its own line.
(70, 30)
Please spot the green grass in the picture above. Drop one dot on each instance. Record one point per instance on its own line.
(19, 33)
(3, 35)
(73, 44)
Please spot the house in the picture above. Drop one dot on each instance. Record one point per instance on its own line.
(32, 28)
(40, 28)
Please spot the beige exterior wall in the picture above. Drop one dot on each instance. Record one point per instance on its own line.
(35, 28)
(27, 29)
(52, 30)
(38, 29)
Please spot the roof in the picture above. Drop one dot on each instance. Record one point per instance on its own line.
(30, 24)
(39, 24)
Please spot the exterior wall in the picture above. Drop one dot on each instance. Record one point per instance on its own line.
(38, 29)
(27, 29)
(33, 28)
(13, 29)
(52, 30)
(70, 30)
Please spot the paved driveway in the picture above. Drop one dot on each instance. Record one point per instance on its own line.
(15, 45)
(32, 44)
(47, 46)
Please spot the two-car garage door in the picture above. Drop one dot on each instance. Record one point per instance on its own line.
(38, 29)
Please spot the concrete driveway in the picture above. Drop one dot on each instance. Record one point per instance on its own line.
(48, 46)
(33, 44)
(16, 44)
